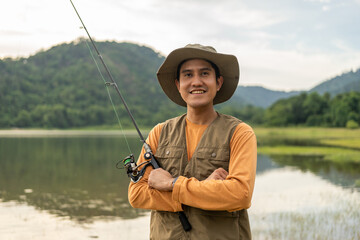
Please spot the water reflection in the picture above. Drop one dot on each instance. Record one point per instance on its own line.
(345, 174)
(264, 164)
(291, 204)
(73, 177)
(76, 176)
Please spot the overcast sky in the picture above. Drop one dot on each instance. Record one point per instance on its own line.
(280, 44)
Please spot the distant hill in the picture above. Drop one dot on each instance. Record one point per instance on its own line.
(259, 96)
(263, 97)
(346, 82)
(61, 87)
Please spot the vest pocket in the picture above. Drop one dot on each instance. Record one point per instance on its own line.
(213, 225)
(165, 225)
(169, 158)
(210, 159)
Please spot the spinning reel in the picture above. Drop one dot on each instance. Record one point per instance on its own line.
(132, 169)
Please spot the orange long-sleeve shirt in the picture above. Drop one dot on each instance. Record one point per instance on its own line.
(233, 193)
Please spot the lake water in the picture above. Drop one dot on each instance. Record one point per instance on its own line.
(64, 185)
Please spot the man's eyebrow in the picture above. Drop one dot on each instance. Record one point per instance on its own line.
(201, 69)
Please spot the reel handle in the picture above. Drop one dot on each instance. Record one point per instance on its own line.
(153, 161)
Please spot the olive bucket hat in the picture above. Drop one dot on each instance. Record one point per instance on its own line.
(227, 64)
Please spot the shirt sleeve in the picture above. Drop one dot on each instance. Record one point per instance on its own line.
(233, 193)
(140, 195)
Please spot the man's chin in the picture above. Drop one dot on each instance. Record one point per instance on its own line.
(199, 105)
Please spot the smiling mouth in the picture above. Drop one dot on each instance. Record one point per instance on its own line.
(197, 92)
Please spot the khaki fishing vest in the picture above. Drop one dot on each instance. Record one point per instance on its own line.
(212, 152)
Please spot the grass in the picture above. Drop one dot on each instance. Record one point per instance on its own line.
(324, 225)
(332, 144)
(328, 153)
(349, 143)
(307, 132)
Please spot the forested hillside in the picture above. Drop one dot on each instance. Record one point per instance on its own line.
(343, 83)
(62, 88)
(333, 103)
(263, 97)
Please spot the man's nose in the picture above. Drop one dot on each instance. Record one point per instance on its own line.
(196, 80)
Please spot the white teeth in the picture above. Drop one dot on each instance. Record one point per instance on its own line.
(198, 91)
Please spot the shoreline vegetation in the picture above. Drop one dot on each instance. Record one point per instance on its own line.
(337, 145)
(329, 144)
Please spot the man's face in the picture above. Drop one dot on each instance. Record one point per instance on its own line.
(197, 83)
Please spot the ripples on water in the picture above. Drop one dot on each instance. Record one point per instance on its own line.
(292, 204)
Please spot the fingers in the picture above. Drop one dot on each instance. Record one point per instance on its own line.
(160, 179)
(221, 174)
(218, 174)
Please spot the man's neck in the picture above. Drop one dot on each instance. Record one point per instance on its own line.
(201, 116)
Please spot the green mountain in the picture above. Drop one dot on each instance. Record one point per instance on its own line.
(61, 87)
(259, 96)
(346, 82)
(263, 97)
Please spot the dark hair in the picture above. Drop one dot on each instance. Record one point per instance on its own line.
(213, 65)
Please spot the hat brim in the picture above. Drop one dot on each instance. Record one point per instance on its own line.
(227, 64)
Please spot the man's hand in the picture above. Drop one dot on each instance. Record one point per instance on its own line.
(218, 174)
(160, 180)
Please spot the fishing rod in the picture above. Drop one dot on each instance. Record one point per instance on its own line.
(132, 169)
(129, 161)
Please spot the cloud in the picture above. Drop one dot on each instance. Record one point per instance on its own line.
(320, 1)
(11, 33)
(280, 44)
(326, 8)
(289, 69)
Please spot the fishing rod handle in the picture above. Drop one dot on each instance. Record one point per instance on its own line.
(183, 219)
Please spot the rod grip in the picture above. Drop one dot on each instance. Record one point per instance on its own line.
(154, 162)
(184, 221)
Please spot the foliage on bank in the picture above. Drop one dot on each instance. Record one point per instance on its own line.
(313, 109)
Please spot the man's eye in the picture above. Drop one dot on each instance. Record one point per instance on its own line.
(187, 75)
(205, 73)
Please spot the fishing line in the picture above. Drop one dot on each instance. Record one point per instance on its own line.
(108, 92)
(129, 162)
(148, 153)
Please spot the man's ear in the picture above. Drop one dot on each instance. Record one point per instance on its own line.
(177, 83)
(219, 82)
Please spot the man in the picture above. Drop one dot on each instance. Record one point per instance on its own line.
(207, 159)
